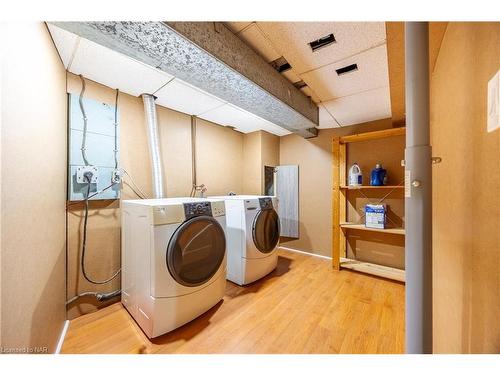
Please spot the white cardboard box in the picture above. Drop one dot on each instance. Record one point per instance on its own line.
(375, 216)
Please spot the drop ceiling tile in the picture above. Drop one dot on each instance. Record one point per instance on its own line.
(291, 75)
(271, 128)
(225, 115)
(372, 73)
(115, 70)
(185, 98)
(291, 40)
(366, 106)
(326, 120)
(236, 27)
(258, 42)
(245, 122)
(65, 43)
(307, 90)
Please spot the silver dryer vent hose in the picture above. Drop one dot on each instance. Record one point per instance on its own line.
(154, 144)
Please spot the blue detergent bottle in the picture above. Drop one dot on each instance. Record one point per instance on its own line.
(378, 176)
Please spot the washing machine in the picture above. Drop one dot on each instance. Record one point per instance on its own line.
(173, 260)
(253, 232)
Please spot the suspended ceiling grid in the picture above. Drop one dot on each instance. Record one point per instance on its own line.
(359, 96)
(112, 63)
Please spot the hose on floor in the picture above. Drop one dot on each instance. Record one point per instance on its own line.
(101, 297)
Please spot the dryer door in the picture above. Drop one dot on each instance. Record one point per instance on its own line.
(196, 251)
(266, 230)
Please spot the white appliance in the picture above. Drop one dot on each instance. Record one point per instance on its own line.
(173, 260)
(253, 231)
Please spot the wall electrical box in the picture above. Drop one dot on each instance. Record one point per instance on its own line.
(101, 137)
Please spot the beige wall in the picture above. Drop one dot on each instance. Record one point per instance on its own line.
(466, 199)
(219, 157)
(314, 158)
(260, 148)
(270, 154)
(251, 163)
(33, 156)
(219, 167)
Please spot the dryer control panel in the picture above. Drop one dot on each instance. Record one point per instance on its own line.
(197, 209)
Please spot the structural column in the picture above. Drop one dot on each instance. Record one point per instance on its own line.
(418, 191)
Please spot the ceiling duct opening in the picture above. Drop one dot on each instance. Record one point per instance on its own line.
(300, 84)
(322, 42)
(281, 65)
(347, 69)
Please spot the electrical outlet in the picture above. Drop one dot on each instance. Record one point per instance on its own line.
(116, 177)
(80, 174)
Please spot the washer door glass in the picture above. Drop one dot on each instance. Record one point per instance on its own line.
(266, 230)
(196, 251)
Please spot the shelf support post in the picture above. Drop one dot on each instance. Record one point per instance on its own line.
(418, 191)
(336, 232)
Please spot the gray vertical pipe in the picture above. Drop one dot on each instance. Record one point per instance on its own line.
(418, 192)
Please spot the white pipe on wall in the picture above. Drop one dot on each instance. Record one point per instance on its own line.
(154, 145)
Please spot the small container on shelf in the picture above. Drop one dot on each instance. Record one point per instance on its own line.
(375, 216)
(378, 176)
(355, 175)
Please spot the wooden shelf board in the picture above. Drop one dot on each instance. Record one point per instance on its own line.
(393, 132)
(372, 187)
(399, 231)
(373, 269)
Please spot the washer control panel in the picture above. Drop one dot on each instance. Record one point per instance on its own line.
(197, 209)
(266, 203)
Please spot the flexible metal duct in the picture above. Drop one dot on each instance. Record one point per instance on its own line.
(154, 145)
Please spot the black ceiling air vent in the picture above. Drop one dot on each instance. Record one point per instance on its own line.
(322, 42)
(300, 84)
(347, 69)
(280, 64)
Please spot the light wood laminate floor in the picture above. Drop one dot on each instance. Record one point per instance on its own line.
(302, 307)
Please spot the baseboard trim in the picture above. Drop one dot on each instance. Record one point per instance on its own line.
(62, 337)
(305, 253)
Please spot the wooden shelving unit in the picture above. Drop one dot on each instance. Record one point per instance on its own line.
(363, 187)
(354, 226)
(373, 269)
(341, 226)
